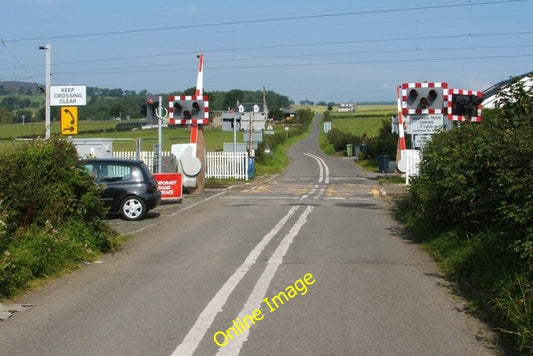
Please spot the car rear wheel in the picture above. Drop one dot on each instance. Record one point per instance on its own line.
(133, 208)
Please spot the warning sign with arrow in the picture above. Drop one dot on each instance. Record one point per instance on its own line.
(69, 120)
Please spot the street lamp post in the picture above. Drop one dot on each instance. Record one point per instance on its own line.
(47, 48)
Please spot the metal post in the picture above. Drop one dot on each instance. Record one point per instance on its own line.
(47, 48)
(252, 135)
(234, 133)
(160, 135)
(138, 148)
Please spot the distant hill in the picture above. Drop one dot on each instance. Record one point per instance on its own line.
(13, 87)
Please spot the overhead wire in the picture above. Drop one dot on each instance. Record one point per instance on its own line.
(280, 46)
(308, 64)
(115, 70)
(30, 76)
(314, 44)
(266, 20)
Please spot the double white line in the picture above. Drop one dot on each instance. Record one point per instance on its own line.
(324, 169)
(207, 316)
(323, 178)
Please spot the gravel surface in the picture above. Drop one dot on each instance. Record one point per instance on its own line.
(154, 216)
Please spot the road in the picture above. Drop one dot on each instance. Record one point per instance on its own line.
(309, 262)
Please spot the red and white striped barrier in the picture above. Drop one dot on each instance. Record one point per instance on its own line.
(401, 133)
(200, 78)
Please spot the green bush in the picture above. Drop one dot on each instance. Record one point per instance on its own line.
(298, 126)
(475, 191)
(384, 143)
(339, 139)
(51, 216)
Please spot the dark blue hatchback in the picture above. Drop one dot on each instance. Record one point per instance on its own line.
(130, 187)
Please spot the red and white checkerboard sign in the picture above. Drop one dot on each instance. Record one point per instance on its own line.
(203, 118)
(406, 88)
(452, 92)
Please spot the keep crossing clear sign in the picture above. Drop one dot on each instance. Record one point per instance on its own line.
(70, 95)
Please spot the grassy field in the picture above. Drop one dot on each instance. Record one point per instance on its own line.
(9, 131)
(214, 138)
(367, 119)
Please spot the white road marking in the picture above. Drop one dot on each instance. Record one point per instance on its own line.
(207, 316)
(205, 319)
(262, 197)
(258, 293)
(324, 169)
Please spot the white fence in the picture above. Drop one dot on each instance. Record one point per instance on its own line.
(412, 161)
(146, 156)
(223, 165)
(219, 165)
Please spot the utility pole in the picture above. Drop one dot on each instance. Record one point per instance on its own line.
(265, 109)
(48, 74)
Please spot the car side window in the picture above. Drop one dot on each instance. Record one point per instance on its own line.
(115, 172)
(136, 174)
(91, 169)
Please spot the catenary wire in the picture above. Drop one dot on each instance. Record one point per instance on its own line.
(275, 19)
(311, 44)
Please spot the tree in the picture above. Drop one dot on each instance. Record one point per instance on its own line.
(116, 110)
(20, 113)
(232, 97)
(276, 114)
(6, 116)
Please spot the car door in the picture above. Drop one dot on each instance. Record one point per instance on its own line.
(117, 179)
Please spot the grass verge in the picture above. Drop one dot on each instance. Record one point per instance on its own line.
(498, 293)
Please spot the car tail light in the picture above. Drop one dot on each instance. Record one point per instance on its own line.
(153, 186)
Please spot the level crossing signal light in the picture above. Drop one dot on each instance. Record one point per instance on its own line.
(187, 110)
(149, 109)
(465, 105)
(143, 110)
(424, 98)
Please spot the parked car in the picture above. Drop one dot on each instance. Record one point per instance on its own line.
(130, 187)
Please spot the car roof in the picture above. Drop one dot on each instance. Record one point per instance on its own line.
(114, 160)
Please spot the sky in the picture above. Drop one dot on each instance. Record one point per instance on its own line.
(332, 51)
